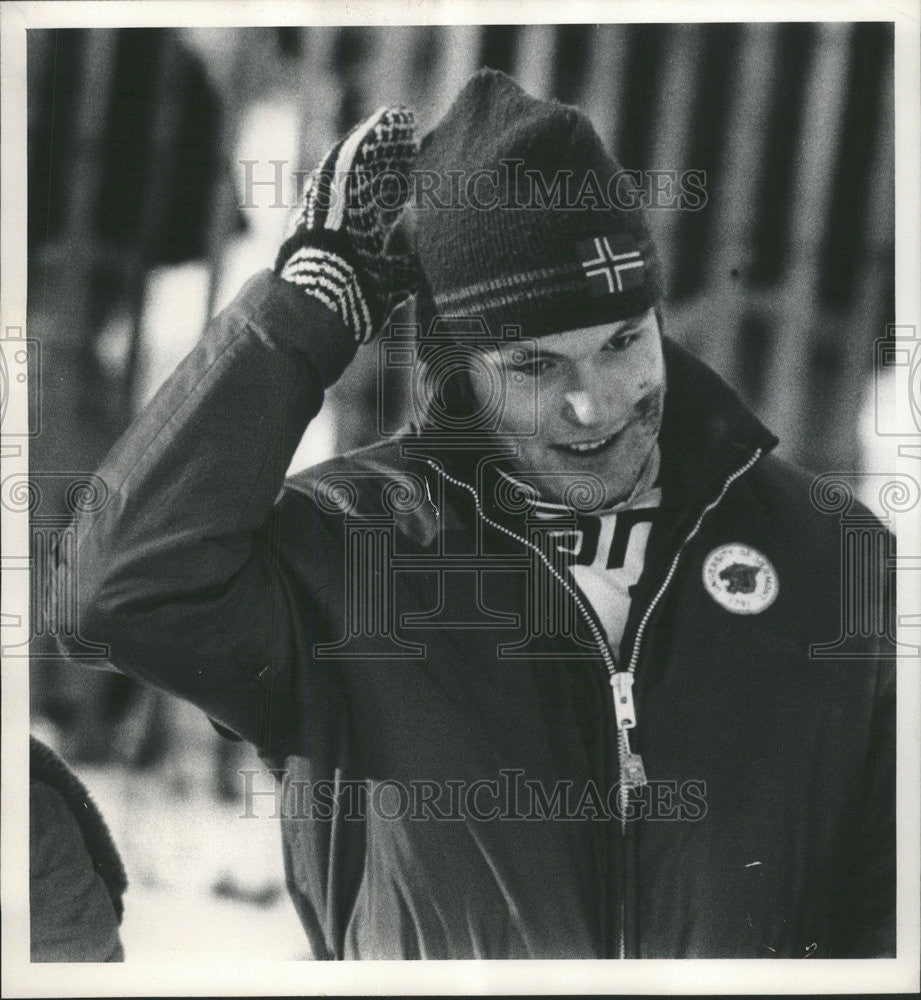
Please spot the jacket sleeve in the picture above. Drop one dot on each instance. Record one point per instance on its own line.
(866, 909)
(877, 844)
(879, 928)
(177, 573)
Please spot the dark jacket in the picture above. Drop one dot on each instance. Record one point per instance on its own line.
(387, 622)
(76, 876)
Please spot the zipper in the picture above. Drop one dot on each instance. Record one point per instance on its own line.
(580, 604)
(630, 765)
(644, 621)
(624, 745)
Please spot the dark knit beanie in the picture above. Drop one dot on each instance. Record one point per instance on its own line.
(525, 219)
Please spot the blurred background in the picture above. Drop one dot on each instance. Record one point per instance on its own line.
(163, 167)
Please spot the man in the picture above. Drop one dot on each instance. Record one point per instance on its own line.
(537, 672)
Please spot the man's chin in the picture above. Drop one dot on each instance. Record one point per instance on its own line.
(584, 490)
(588, 487)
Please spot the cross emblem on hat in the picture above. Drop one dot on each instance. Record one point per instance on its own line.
(615, 263)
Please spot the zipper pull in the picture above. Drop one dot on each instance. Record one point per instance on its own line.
(622, 683)
(632, 770)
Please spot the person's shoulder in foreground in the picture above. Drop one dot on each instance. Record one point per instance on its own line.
(76, 878)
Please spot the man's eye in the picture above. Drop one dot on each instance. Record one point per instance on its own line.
(532, 366)
(622, 341)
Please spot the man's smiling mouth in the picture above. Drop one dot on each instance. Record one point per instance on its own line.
(592, 447)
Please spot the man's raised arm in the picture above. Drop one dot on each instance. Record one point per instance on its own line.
(177, 574)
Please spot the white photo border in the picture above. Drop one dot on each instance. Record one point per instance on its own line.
(247, 978)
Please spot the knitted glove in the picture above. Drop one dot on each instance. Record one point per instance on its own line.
(350, 201)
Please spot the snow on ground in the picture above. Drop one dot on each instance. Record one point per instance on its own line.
(202, 878)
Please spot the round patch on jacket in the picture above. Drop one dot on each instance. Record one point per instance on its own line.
(741, 579)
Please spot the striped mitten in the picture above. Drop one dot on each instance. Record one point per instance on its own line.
(350, 201)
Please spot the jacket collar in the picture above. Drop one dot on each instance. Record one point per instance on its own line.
(707, 431)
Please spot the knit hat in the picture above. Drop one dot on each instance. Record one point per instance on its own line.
(523, 218)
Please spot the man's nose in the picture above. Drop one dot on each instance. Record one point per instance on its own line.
(587, 400)
(582, 408)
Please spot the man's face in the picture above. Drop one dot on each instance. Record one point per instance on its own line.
(600, 393)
